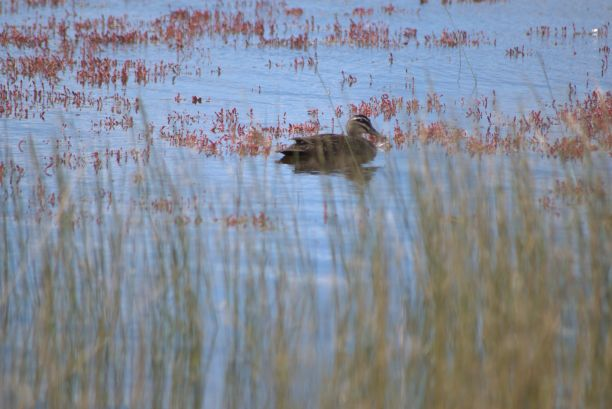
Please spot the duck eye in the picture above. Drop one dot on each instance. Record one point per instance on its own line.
(362, 120)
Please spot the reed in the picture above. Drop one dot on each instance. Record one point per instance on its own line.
(457, 289)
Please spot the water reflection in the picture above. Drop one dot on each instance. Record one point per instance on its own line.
(353, 170)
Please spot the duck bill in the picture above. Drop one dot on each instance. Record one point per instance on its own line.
(381, 141)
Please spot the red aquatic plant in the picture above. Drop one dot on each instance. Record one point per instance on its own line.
(362, 11)
(295, 12)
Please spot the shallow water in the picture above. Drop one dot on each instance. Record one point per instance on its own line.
(268, 89)
(310, 219)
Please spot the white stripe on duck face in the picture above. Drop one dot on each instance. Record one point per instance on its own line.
(361, 119)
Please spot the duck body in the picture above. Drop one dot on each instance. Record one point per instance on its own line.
(333, 149)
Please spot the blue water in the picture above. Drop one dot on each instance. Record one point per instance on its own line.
(264, 80)
(247, 82)
(266, 89)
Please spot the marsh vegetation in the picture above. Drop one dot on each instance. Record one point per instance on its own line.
(154, 253)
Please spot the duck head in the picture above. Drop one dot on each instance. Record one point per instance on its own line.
(359, 125)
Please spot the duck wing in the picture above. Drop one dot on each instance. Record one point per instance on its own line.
(305, 145)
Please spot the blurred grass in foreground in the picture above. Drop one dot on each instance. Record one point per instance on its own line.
(494, 302)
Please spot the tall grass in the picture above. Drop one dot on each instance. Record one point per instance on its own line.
(456, 289)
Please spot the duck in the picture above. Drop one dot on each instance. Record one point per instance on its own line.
(337, 149)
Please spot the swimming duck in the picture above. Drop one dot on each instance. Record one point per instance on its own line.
(352, 148)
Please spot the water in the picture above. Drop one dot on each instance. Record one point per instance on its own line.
(266, 88)
(311, 226)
